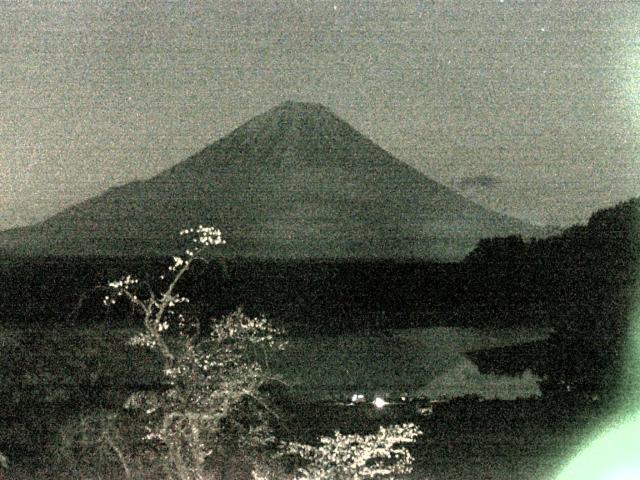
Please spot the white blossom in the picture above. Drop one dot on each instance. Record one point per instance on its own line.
(358, 457)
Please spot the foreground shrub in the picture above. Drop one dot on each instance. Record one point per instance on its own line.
(99, 444)
(212, 406)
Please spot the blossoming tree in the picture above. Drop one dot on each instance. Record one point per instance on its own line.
(208, 377)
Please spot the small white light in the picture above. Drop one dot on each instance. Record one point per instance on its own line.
(379, 402)
(357, 398)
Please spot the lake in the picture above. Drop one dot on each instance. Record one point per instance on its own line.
(425, 362)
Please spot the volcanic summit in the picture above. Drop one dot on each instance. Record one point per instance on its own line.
(295, 182)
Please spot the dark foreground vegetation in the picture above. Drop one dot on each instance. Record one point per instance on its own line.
(581, 283)
(466, 438)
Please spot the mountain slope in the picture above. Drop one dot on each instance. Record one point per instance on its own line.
(294, 182)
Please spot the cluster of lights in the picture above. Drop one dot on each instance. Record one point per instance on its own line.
(378, 402)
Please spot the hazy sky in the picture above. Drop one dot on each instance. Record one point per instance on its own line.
(531, 107)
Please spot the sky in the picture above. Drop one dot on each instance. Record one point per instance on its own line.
(528, 107)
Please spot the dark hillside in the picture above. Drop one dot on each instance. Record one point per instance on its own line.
(321, 295)
(586, 277)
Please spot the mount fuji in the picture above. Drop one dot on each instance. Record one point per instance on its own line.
(295, 182)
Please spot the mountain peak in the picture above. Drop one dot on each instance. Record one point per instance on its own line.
(301, 111)
(294, 182)
(306, 107)
(292, 123)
